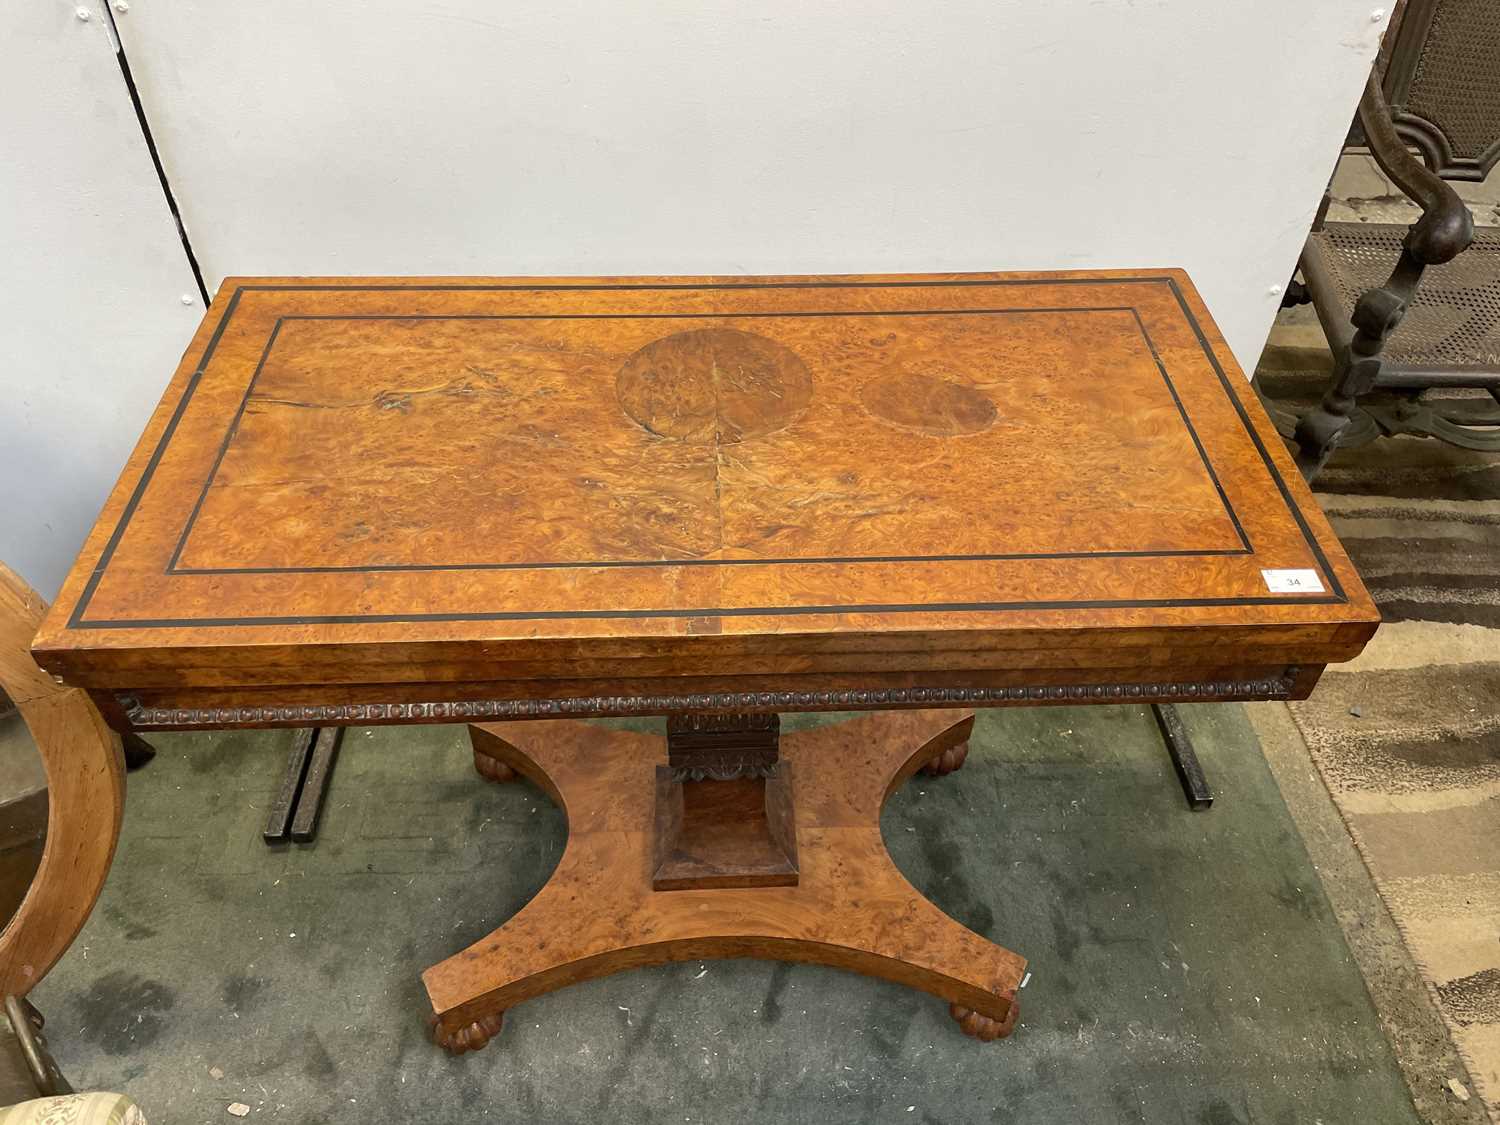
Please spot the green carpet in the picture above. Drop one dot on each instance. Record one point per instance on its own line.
(1186, 966)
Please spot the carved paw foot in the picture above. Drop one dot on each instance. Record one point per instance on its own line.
(493, 769)
(469, 1037)
(948, 761)
(985, 1028)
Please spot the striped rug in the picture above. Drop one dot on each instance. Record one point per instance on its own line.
(1407, 737)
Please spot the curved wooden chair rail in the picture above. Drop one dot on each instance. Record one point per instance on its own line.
(85, 797)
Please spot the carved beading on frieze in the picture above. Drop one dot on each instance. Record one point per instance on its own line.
(744, 703)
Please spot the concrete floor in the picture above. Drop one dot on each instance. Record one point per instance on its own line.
(1403, 999)
(1187, 967)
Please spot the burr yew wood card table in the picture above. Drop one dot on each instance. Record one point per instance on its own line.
(714, 500)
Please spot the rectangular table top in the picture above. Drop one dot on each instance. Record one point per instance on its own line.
(357, 481)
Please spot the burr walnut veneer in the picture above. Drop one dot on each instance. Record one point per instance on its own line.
(438, 500)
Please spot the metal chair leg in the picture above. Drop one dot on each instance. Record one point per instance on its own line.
(1184, 757)
(27, 1068)
(137, 750)
(1356, 366)
(304, 785)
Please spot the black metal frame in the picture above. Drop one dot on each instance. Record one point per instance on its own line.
(21, 1032)
(1184, 757)
(1444, 230)
(1407, 39)
(304, 786)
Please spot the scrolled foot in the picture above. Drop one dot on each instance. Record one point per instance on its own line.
(948, 761)
(985, 1028)
(469, 1037)
(493, 769)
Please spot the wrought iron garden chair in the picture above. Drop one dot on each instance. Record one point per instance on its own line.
(1436, 89)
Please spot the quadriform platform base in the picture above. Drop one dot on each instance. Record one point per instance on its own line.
(848, 907)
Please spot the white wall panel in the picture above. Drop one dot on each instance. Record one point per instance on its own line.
(91, 314)
(745, 136)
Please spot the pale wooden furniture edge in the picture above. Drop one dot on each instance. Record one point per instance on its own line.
(85, 797)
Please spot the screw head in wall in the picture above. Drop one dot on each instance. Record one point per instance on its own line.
(1377, 15)
(82, 14)
(121, 6)
(1273, 291)
(187, 298)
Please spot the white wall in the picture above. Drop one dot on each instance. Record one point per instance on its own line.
(744, 136)
(619, 136)
(91, 313)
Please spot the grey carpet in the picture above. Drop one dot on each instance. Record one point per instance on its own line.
(1186, 966)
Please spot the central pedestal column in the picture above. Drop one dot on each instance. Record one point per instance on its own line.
(724, 808)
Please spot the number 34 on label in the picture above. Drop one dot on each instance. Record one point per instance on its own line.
(1292, 581)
